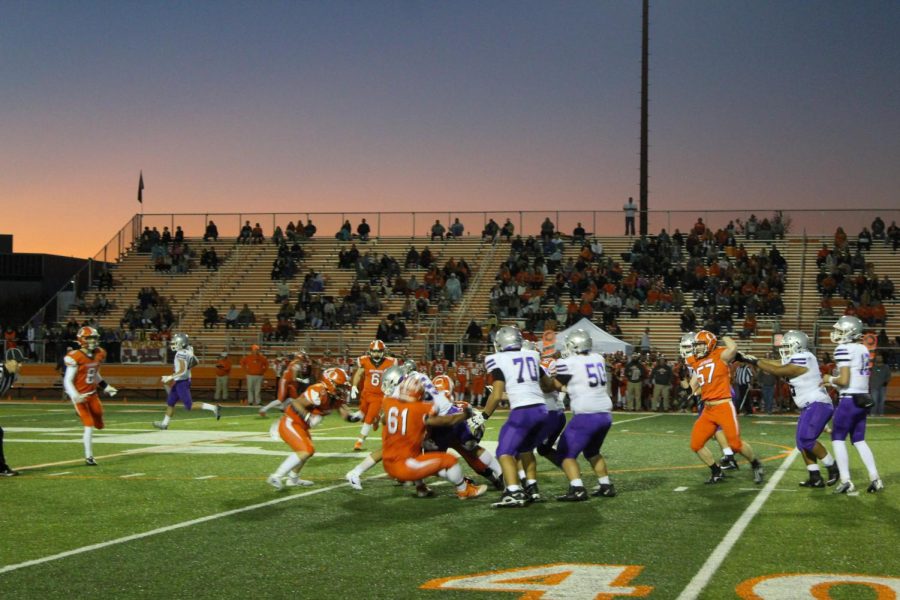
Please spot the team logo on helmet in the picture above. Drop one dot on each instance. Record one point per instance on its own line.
(704, 343)
(443, 383)
(377, 350)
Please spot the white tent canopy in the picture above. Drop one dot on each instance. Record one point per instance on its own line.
(604, 343)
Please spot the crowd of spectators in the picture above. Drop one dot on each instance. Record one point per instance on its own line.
(153, 311)
(169, 252)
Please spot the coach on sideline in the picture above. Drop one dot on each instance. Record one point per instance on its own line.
(8, 369)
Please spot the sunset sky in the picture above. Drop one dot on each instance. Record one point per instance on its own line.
(446, 106)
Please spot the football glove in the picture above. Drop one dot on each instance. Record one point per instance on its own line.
(354, 393)
(746, 358)
(354, 417)
(111, 390)
(312, 420)
(167, 378)
(475, 423)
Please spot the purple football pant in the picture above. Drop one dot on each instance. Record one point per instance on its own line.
(447, 437)
(521, 432)
(584, 433)
(180, 390)
(849, 419)
(553, 426)
(813, 419)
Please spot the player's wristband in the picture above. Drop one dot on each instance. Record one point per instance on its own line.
(102, 384)
(485, 416)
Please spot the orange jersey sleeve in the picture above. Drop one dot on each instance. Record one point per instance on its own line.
(713, 375)
(405, 427)
(87, 376)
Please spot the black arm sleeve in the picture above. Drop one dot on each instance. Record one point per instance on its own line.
(563, 379)
(497, 374)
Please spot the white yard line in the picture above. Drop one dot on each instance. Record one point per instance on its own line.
(131, 475)
(731, 538)
(168, 528)
(637, 418)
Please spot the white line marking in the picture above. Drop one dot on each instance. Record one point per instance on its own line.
(760, 489)
(670, 432)
(681, 489)
(132, 475)
(731, 538)
(641, 418)
(58, 474)
(206, 477)
(176, 526)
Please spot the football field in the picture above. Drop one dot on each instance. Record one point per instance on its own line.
(186, 513)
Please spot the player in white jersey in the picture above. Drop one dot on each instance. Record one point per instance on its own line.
(516, 372)
(582, 375)
(801, 368)
(181, 388)
(854, 364)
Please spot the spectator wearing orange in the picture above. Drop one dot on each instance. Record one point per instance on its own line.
(223, 372)
(254, 365)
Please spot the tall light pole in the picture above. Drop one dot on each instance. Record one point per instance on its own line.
(645, 37)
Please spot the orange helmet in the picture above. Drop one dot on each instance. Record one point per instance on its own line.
(88, 338)
(443, 383)
(376, 350)
(336, 381)
(704, 343)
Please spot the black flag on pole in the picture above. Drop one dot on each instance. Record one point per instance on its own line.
(141, 188)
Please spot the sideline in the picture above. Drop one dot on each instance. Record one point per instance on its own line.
(715, 560)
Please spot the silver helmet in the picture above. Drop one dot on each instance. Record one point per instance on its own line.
(847, 329)
(579, 342)
(393, 377)
(528, 345)
(793, 342)
(508, 338)
(179, 342)
(408, 366)
(686, 346)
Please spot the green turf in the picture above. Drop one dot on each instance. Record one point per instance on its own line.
(385, 543)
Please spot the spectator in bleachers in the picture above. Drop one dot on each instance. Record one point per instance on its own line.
(547, 230)
(426, 258)
(231, 317)
(578, 234)
(282, 291)
(886, 288)
(507, 230)
(244, 237)
(309, 229)
(490, 231)
(878, 229)
(456, 229)
(267, 330)
(864, 240)
(210, 317)
(453, 288)
(209, 259)
(345, 233)
(384, 331)
(893, 235)
(179, 235)
(105, 280)
(166, 236)
(256, 234)
(840, 239)
(398, 329)
(211, 233)
(630, 208)
(246, 317)
(278, 236)
(437, 230)
(363, 230)
(412, 258)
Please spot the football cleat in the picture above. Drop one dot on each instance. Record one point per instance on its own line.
(833, 475)
(758, 474)
(353, 479)
(7, 472)
(844, 487)
(358, 446)
(716, 478)
(575, 494)
(875, 486)
(160, 425)
(295, 481)
(605, 490)
(532, 493)
(218, 412)
(509, 499)
(497, 482)
(813, 482)
(728, 463)
(90, 462)
(423, 491)
(471, 491)
(262, 413)
(275, 482)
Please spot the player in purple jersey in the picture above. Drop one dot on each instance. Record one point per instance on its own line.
(180, 390)
(854, 364)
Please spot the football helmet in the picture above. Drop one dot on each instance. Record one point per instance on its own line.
(793, 342)
(704, 343)
(528, 345)
(179, 342)
(686, 346)
(392, 378)
(88, 338)
(376, 351)
(847, 329)
(443, 383)
(508, 338)
(579, 342)
(408, 366)
(336, 381)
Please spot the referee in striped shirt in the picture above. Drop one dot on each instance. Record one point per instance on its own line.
(8, 369)
(743, 377)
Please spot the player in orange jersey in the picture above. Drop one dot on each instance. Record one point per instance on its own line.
(440, 365)
(294, 380)
(478, 381)
(81, 382)
(302, 414)
(712, 378)
(370, 369)
(406, 419)
(463, 368)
